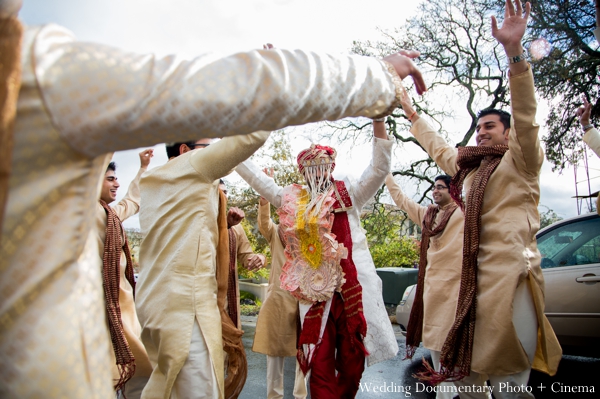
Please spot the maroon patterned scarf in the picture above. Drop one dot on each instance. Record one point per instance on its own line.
(111, 273)
(232, 301)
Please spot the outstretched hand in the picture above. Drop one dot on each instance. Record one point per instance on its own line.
(513, 27)
(402, 62)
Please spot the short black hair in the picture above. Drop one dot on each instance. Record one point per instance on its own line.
(173, 148)
(111, 166)
(221, 182)
(447, 179)
(504, 116)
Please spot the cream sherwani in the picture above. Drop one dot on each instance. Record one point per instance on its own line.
(276, 327)
(127, 207)
(444, 266)
(380, 340)
(77, 103)
(508, 260)
(177, 285)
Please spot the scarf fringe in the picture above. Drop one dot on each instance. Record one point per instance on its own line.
(437, 377)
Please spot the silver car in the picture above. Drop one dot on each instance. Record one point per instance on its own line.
(570, 251)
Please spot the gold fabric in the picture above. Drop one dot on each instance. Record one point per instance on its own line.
(98, 90)
(444, 266)
(508, 251)
(276, 327)
(127, 207)
(11, 34)
(177, 259)
(80, 101)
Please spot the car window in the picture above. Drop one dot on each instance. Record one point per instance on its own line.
(574, 243)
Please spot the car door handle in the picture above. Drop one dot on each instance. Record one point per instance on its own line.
(588, 278)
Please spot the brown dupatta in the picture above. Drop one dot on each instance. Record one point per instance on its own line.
(11, 36)
(111, 275)
(236, 365)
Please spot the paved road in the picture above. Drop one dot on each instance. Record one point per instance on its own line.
(395, 375)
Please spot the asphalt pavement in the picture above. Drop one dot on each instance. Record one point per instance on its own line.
(577, 377)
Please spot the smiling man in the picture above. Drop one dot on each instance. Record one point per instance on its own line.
(440, 264)
(500, 329)
(130, 364)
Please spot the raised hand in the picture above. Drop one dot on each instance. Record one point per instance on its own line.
(513, 27)
(404, 66)
(584, 112)
(145, 157)
(234, 216)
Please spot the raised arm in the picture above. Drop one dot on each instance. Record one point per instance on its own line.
(373, 176)
(260, 182)
(436, 146)
(265, 224)
(135, 100)
(221, 157)
(415, 211)
(523, 141)
(130, 204)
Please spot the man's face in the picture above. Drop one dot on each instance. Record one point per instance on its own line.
(109, 187)
(490, 131)
(441, 193)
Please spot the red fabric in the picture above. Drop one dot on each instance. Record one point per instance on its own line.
(351, 294)
(348, 361)
(232, 290)
(351, 290)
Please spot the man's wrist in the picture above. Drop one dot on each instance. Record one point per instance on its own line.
(587, 127)
(514, 59)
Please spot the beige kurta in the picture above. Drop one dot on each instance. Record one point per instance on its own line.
(508, 254)
(177, 283)
(592, 139)
(78, 102)
(243, 249)
(444, 266)
(276, 327)
(127, 207)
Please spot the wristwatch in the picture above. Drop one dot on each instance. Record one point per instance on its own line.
(518, 58)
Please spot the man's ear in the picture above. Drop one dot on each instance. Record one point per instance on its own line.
(183, 148)
(506, 134)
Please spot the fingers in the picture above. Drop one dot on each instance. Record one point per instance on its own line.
(494, 26)
(410, 53)
(527, 10)
(419, 82)
(145, 157)
(268, 46)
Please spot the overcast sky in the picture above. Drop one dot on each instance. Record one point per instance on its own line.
(191, 27)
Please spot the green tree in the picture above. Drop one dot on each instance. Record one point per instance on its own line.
(548, 217)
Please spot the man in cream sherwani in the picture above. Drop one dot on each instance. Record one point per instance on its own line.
(73, 103)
